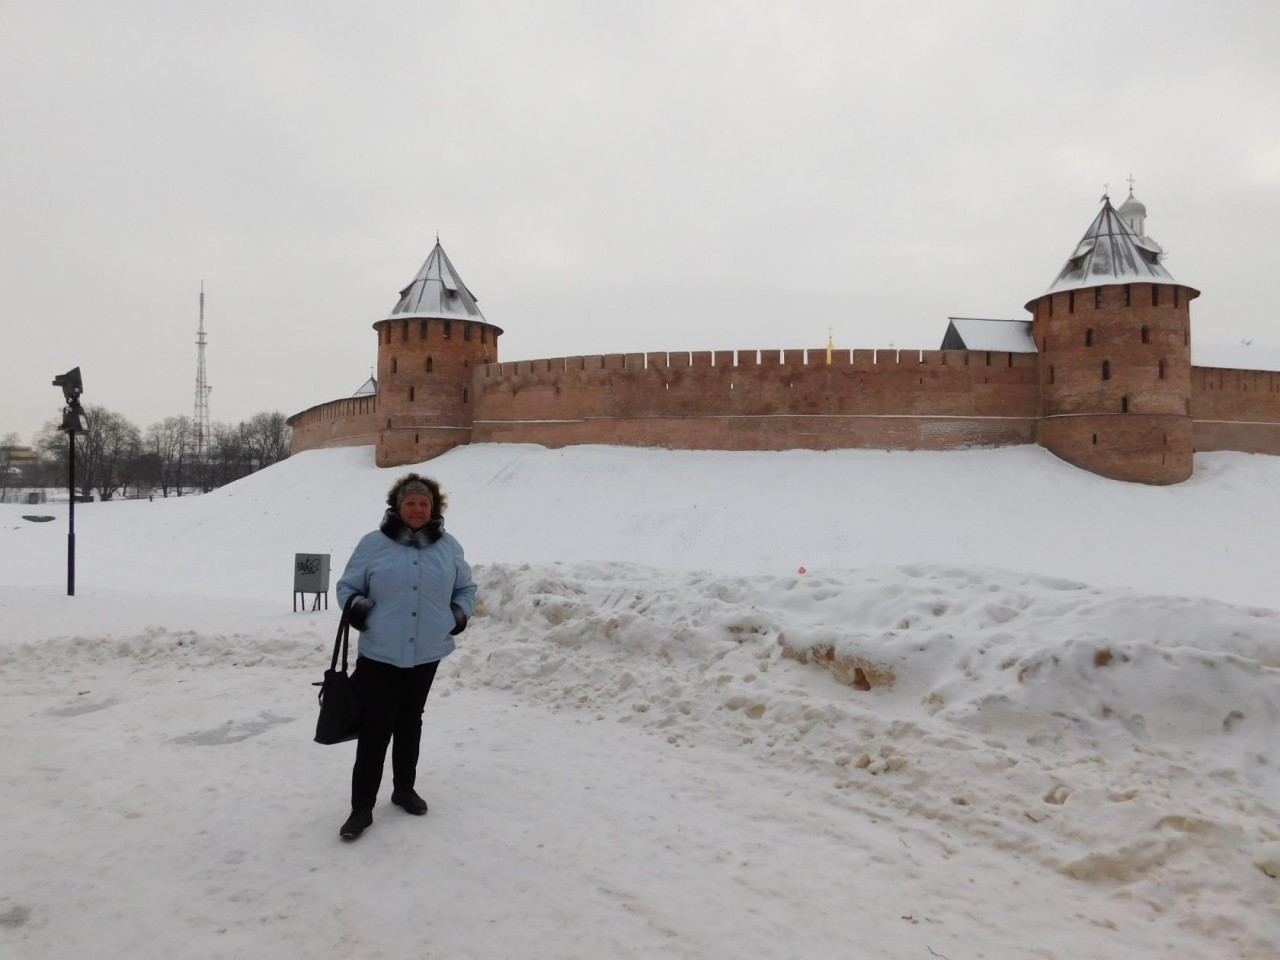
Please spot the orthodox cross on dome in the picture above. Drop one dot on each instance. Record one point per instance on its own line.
(1106, 193)
(1131, 184)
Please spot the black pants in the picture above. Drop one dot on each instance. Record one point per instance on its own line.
(393, 699)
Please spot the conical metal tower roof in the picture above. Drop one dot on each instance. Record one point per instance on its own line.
(1109, 253)
(437, 292)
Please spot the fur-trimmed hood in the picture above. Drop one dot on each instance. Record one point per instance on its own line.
(438, 499)
(396, 529)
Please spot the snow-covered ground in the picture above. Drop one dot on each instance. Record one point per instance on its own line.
(1006, 709)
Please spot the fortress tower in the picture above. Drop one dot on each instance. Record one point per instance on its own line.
(1114, 334)
(428, 347)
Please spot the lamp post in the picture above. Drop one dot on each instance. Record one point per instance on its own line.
(72, 423)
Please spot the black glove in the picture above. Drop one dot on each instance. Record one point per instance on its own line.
(460, 618)
(359, 616)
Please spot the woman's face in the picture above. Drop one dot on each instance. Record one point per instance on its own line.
(415, 510)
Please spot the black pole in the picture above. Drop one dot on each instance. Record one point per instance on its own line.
(71, 534)
(72, 420)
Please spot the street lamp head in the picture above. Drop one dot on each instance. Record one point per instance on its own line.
(73, 420)
(71, 384)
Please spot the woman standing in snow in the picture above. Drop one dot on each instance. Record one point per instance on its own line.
(415, 594)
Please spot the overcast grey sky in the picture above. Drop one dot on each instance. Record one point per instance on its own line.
(605, 176)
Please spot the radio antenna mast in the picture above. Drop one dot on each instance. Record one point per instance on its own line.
(202, 388)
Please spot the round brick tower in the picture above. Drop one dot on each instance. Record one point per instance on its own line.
(428, 348)
(1114, 339)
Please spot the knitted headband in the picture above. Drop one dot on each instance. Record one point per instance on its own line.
(413, 486)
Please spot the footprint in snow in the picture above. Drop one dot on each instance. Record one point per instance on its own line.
(233, 731)
(82, 707)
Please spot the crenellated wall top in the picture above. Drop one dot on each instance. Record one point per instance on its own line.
(884, 360)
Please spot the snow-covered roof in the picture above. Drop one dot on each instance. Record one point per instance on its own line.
(1235, 356)
(437, 291)
(1110, 252)
(369, 389)
(976, 333)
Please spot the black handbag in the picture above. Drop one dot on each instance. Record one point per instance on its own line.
(339, 696)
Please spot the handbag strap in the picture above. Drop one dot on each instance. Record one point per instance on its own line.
(344, 633)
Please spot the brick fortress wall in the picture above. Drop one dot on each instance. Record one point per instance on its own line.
(351, 422)
(766, 400)
(1236, 409)
(1140, 419)
(772, 400)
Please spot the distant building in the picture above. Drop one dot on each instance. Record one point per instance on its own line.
(19, 456)
(971, 333)
(1102, 375)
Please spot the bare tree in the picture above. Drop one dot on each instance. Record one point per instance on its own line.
(267, 438)
(111, 454)
(171, 442)
(7, 444)
(112, 442)
(102, 450)
(51, 445)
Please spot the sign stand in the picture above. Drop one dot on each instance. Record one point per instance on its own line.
(310, 575)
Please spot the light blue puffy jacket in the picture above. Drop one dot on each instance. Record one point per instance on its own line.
(412, 577)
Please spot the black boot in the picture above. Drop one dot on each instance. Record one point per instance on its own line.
(356, 824)
(409, 801)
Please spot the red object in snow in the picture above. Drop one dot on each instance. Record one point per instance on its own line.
(803, 570)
